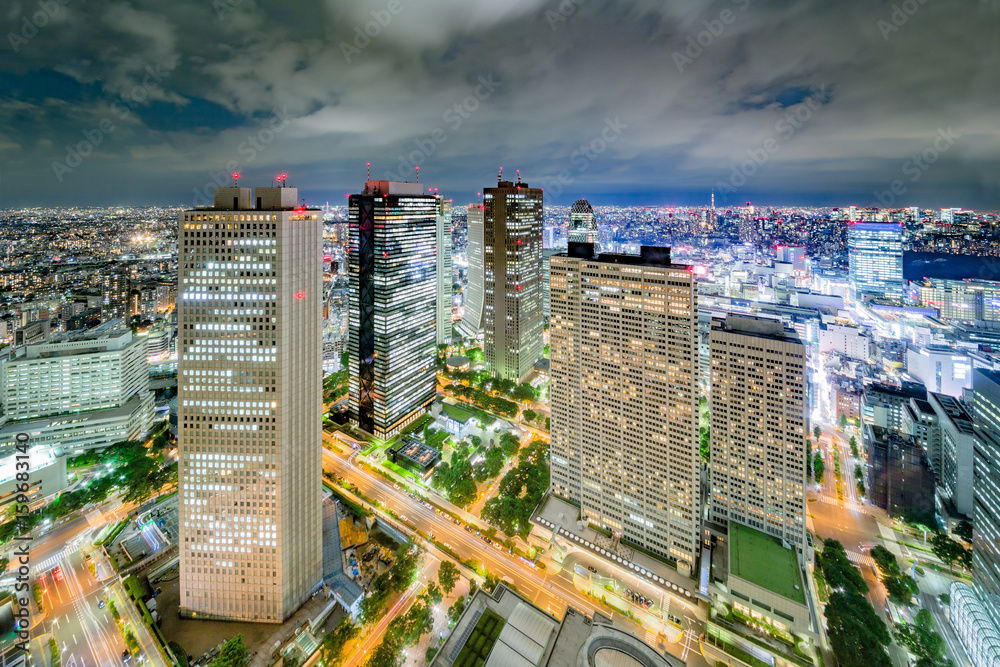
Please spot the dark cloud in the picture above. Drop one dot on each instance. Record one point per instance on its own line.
(620, 100)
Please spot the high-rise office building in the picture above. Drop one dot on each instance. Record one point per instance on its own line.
(77, 390)
(444, 294)
(975, 610)
(583, 224)
(513, 279)
(114, 295)
(875, 253)
(547, 255)
(472, 317)
(392, 267)
(624, 395)
(758, 429)
(250, 401)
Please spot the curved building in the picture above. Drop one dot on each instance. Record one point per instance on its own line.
(582, 223)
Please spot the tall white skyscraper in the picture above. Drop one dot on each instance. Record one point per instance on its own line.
(758, 427)
(392, 267)
(472, 317)
(624, 395)
(513, 319)
(875, 253)
(443, 320)
(250, 394)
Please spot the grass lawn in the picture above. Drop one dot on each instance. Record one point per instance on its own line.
(761, 560)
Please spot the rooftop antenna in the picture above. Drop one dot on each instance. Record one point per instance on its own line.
(418, 173)
(236, 180)
(369, 177)
(499, 175)
(518, 176)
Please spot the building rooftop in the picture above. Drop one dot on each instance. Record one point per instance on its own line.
(763, 561)
(760, 327)
(648, 256)
(458, 414)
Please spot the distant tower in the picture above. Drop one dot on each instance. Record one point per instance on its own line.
(513, 318)
(582, 223)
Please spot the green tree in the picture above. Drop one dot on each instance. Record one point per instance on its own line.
(816, 432)
(234, 654)
(901, 589)
(950, 551)
(818, 467)
(854, 446)
(529, 415)
(448, 576)
(840, 574)
(433, 593)
(857, 635)
(335, 641)
(455, 610)
(964, 531)
(809, 457)
(843, 420)
(920, 639)
(345, 359)
(885, 561)
(510, 444)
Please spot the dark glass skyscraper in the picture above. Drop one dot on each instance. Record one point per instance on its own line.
(583, 224)
(512, 317)
(393, 286)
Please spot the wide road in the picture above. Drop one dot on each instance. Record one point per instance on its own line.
(550, 592)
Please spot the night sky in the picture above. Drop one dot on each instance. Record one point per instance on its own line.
(815, 102)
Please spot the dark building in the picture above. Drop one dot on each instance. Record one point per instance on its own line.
(900, 477)
(393, 302)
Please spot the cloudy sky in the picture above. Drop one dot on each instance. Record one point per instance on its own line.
(622, 101)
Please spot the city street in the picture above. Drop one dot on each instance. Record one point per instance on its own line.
(550, 592)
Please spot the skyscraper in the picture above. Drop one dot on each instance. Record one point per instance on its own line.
(875, 252)
(443, 321)
(624, 395)
(250, 402)
(513, 279)
(986, 491)
(393, 268)
(583, 224)
(472, 318)
(758, 429)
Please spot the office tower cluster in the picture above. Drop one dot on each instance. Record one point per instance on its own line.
(78, 390)
(624, 395)
(250, 405)
(512, 262)
(393, 305)
(875, 256)
(758, 427)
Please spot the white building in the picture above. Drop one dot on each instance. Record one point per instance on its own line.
(758, 427)
(79, 390)
(46, 475)
(472, 317)
(941, 368)
(443, 318)
(624, 395)
(954, 471)
(250, 394)
(850, 341)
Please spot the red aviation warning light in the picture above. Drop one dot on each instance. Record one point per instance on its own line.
(300, 295)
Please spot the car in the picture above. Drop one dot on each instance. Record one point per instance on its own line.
(592, 569)
(126, 656)
(100, 604)
(57, 573)
(457, 522)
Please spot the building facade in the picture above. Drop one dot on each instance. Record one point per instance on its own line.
(250, 403)
(758, 427)
(960, 300)
(443, 318)
(472, 314)
(393, 281)
(954, 473)
(942, 369)
(900, 478)
(583, 224)
(986, 489)
(875, 253)
(512, 314)
(624, 395)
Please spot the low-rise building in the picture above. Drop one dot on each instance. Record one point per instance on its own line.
(46, 475)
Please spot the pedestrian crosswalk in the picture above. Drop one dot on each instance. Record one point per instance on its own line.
(851, 505)
(860, 559)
